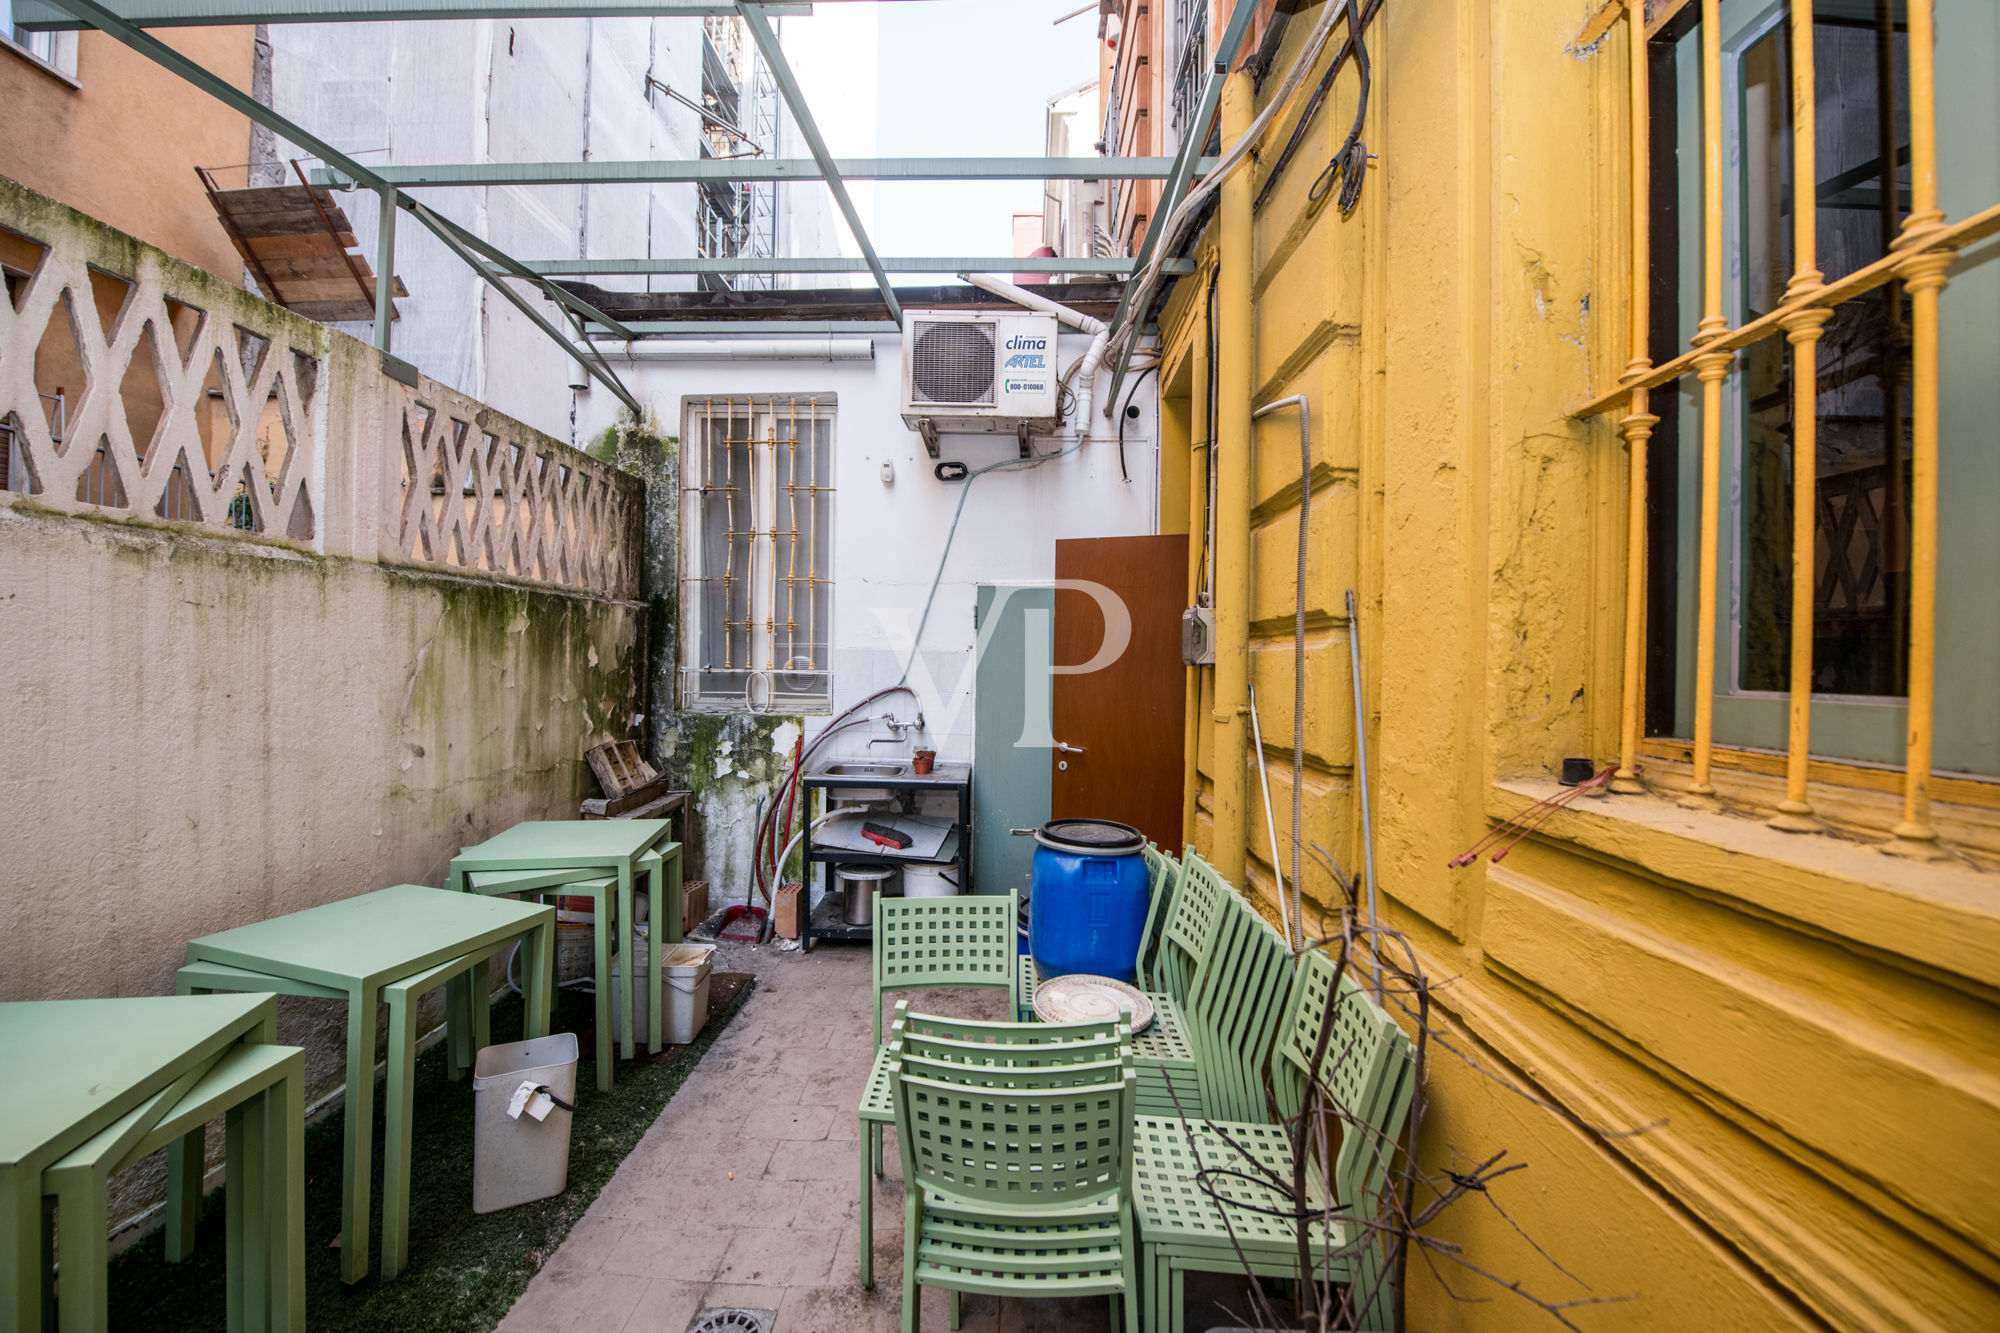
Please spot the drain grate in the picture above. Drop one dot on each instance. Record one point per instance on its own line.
(733, 1321)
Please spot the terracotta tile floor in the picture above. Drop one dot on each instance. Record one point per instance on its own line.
(743, 1191)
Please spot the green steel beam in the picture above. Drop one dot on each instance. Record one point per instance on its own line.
(52, 15)
(788, 84)
(771, 169)
(1177, 183)
(451, 235)
(571, 268)
(108, 22)
(709, 328)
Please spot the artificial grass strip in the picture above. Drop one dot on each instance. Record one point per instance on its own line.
(465, 1270)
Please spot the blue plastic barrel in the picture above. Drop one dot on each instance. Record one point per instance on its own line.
(1088, 898)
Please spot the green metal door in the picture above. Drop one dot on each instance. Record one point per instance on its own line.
(1010, 730)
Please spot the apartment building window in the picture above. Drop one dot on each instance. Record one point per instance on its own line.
(1190, 62)
(1807, 384)
(1861, 433)
(757, 553)
(57, 50)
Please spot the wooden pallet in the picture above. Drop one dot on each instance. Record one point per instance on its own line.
(301, 248)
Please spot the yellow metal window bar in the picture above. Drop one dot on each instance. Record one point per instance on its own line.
(1918, 259)
(756, 519)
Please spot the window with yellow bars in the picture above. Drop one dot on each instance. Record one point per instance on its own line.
(1812, 390)
(756, 553)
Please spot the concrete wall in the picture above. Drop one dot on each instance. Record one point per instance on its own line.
(207, 727)
(887, 544)
(122, 141)
(1800, 1029)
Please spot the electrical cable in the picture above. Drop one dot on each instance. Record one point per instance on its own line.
(1173, 230)
(1350, 160)
(1139, 379)
(951, 533)
(1312, 107)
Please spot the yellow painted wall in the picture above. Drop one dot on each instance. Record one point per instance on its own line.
(1805, 1029)
(122, 142)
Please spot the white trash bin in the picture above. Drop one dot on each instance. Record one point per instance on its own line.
(519, 1160)
(683, 997)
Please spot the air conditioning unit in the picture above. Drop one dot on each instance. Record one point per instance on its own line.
(979, 374)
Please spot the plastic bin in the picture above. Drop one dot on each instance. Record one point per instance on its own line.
(683, 997)
(519, 1161)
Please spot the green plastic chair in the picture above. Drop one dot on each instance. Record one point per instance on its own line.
(941, 943)
(994, 1046)
(1199, 894)
(938, 943)
(1368, 1072)
(1016, 1183)
(1239, 998)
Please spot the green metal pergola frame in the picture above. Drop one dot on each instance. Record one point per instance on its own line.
(127, 22)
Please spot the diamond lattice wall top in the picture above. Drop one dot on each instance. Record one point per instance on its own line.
(163, 394)
(149, 391)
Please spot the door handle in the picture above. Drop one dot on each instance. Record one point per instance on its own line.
(1069, 749)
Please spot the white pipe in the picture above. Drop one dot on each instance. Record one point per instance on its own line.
(1007, 291)
(1084, 370)
(743, 349)
(1271, 825)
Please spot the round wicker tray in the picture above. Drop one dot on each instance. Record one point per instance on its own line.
(1082, 998)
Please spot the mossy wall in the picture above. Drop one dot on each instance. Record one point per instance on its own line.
(204, 732)
(731, 762)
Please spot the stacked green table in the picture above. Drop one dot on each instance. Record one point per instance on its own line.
(79, 1068)
(584, 849)
(361, 949)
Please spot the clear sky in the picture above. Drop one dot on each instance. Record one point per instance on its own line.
(951, 78)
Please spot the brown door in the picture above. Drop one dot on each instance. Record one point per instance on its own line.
(1118, 725)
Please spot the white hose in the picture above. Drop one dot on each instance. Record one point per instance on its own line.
(1085, 370)
(805, 904)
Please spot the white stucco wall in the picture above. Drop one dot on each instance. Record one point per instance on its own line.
(887, 541)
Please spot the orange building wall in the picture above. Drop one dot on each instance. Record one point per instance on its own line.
(123, 145)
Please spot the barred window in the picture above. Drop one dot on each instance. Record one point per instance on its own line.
(756, 553)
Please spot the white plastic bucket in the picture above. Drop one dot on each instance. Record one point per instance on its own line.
(929, 881)
(683, 996)
(516, 1161)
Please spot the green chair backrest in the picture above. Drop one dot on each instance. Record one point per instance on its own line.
(995, 1052)
(1067, 1134)
(1234, 1009)
(1198, 899)
(1164, 874)
(1367, 1073)
(968, 940)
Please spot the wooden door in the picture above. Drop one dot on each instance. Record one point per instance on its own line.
(1118, 727)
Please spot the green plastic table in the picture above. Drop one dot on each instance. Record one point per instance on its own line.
(355, 949)
(602, 890)
(261, 1091)
(590, 848)
(76, 1067)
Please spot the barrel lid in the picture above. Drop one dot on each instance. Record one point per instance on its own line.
(1090, 837)
(865, 874)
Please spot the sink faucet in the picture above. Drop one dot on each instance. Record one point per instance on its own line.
(885, 740)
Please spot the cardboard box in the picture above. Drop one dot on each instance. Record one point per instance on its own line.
(791, 902)
(694, 903)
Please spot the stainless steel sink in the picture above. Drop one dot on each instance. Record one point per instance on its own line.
(865, 768)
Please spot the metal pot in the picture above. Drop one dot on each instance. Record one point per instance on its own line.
(858, 886)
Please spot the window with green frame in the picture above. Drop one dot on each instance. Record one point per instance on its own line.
(1861, 570)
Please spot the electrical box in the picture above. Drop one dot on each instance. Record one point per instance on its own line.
(1198, 636)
